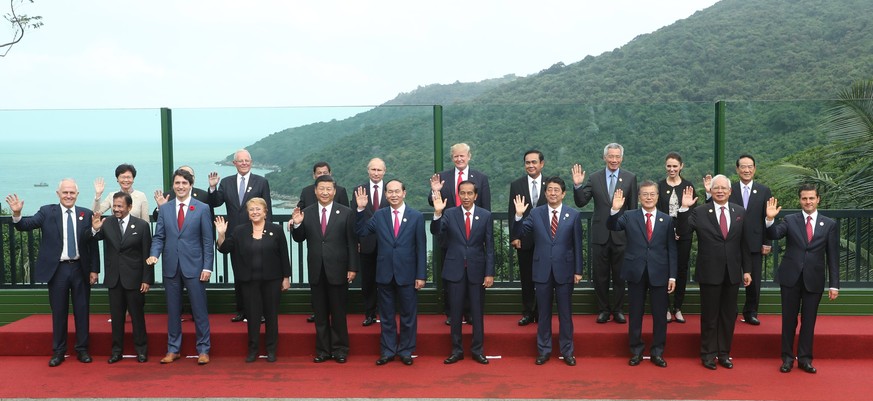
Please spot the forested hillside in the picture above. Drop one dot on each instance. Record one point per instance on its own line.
(773, 60)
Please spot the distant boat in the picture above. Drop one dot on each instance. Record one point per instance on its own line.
(42, 184)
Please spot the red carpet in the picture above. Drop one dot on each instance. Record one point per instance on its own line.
(602, 371)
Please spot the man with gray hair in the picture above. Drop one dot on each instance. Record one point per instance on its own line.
(723, 261)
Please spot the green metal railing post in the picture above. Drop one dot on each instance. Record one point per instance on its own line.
(719, 135)
(437, 167)
(167, 147)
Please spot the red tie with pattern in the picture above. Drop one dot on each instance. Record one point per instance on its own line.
(460, 180)
(323, 220)
(396, 223)
(181, 218)
(554, 223)
(808, 228)
(375, 197)
(467, 225)
(649, 227)
(722, 223)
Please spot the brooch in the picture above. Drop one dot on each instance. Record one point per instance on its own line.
(476, 218)
(132, 226)
(337, 212)
(821, 223)
(249, 189)
(754, 191)
(81, 215)
(661, 219)
(191, 207)
(404, 220)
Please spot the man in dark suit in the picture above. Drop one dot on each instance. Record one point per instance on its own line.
(753, 196)
(466, 234)
(812, 247)
(650, 266)
(401, 269)
(68, 261)
(332, 261)
(607, 247)
(723, 261)
(461, 157)
(557, 233)
(183, 236)
(233, 192)
(531, 187)
(368, 244)
(308, 197)
(127, 241)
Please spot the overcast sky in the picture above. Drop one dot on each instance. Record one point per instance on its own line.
(260, 53)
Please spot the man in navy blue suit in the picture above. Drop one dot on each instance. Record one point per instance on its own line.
(68, 261)
(812, 248)
(400, 268)
(557, 236)
(466, 234)
(649, 267)
(183, 236)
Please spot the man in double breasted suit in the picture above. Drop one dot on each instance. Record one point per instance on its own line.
(723, 262)
(557, 265)
(233, 192)
(183, 237)
(332, 261)
(401, 267)
(127, 241)
(812, 250)
(649, 267)
(68, 261)
(368, 248)
(466, 234)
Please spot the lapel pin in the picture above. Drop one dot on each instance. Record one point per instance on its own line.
(710, 210)
(249, 189)
(754, 191)
(271, 233)
(661, 219)
(668, 191)
(337, 212)
(404, 220)
(132, 226)
(477, 217)
(821, 223)
(619, 179)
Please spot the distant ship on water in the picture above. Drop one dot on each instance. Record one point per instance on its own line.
(41, 184)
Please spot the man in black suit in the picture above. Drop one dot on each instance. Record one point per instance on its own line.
(753, 196)
(466, 234)
(332, 261)
(461, 157)
(649, 267)
(812, 247)
(607, 247)
(126, 244)
(233, 192)
(531, 188)
(68, 261)
(723, 261)
(368, 245)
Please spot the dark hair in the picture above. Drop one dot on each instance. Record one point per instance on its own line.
(674, 155)
(540, 154)
(320, 164)
(808, 187)
(475, 190)
(646, 183)
(556, 180)
(184, 174)
(402, 185)
(325, 178)
(125, 195)
(125, 167)
(745, 156)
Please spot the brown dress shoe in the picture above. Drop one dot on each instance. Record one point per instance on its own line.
(170, 357)
(203, 359)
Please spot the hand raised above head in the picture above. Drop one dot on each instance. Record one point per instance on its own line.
(617, 199)
(220, 225)
(773, 208)
(578, 174)
(439, 204)
(160, 199)
(520, 205)
(99, 186)
(361, 197)
(435, 183)
(296, 217)
(688, 198)
(707, 183)
(15, 204)
(213, 179)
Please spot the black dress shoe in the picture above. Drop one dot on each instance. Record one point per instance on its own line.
(806, 367)
(142, 358)
(114, 358)
(603, 317)
(340, 358)
(383, 360)
(709, 364)
(321, 358)
(726, 362)
(570, 360)
(369, 320)
(310, 318)
(525, 320)
(56, 360)
(453, 358)
(252, 356)
(237, 318)
(753, 320)
(271, 356)
(786, 366)
(659, 361)
(448, 321)
(635, 360)
(542, 359)
(407, 360)
(480, 358)
(619, 317)
(467, 320)
(263, 320)
(83, 357)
